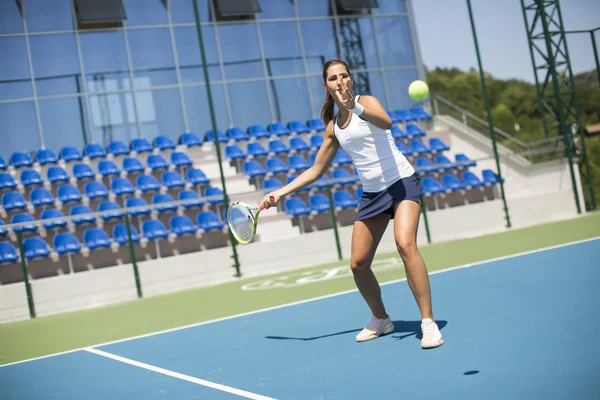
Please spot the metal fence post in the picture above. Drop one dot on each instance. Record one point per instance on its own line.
(30, 301)
(136, 273)
(334, 221)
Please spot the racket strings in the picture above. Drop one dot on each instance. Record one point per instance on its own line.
(241, 222)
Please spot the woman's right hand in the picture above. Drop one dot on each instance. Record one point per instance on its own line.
(271, 200)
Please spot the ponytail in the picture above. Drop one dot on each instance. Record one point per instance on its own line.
(327, 109)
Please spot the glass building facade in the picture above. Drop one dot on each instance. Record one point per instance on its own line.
(64, 86)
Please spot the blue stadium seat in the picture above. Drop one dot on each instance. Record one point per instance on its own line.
(258, 131)
(298, 126)
(424, 165)
(3, 231)
(23, 218)
(172, 180)
(470, 180)
(316, 141)
(35, 247)
(278, 128)
(295, 207)
(341, 158)
(41, 197)
(253, 168)
(68, 194)
(13, 201)
(57, 174)
(70, 153)
(147, 183)
(30, 177)
(82, 215)
(7, 182)
(196, 176)
(83, 171)
(192, 197)
(180, 159)
(95, 190)
(20, 159)
(359, 193)
(66, 243)
(276, 146)
(298, 144)
(108, 168)
(272, 184)
(8, 253)
(236, 133)
(182, 225)
(463, 161)
(444, 164)
(398, 133)
(120, 235)
(404, 115)
(164, 198)
(275, 166)
(153, 229)
(133, 165)
(96, 239)
(52, 214)
(137, 202)
(157, 162)
(141, 145)
(234, 152)
(319, 203)
(431, 186)
(45, 156)
(214, 192)
(316, 124)
(210, 136)
(164, 143)
(344, 200)
(113, 209)
(413, 130)
(121, 186)
(489, 177)
(298, 163)
(403, 149)
(436, 144)
(94, 150)
(3, 165)
(190, 139)
(393, 116)
(209, 221)
(347, 177)
(418, 147)
(255, 149)
(451, 183)
(420, 114)
(118, 148)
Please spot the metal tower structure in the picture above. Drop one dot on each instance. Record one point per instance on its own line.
(555, 85)
(354, 53)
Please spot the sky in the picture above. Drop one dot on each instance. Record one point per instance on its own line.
(446, 40)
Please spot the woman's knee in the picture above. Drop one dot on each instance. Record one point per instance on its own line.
(406, 245)
(359, 265)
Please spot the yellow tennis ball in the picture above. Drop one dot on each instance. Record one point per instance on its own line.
(418, 90)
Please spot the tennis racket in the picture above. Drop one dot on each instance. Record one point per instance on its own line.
(243, 219)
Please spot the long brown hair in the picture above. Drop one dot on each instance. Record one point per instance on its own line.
(327, 109)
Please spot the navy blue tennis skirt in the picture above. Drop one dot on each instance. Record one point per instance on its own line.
(375, 203)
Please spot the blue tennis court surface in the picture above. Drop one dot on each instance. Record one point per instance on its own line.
(521, 327)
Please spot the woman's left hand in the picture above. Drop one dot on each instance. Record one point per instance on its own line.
(345, 96)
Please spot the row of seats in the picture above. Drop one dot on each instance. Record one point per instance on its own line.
(319, 203)
(406, 115)
(451, 183)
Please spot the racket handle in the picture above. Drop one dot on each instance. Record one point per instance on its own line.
(262, 205)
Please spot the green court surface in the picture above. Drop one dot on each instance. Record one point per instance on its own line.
(59, 333)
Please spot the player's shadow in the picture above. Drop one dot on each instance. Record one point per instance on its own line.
(405, 328)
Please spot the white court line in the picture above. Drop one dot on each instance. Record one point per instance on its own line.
(491, 260)
(177, 375)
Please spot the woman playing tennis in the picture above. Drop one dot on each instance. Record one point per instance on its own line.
(390, 190)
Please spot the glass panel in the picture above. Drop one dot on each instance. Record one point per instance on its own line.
(55, 64)
(198, 111)
(152, 56)
(160, 113)
(64, 122)
(367, 41)
(44, 15)
(394, 37)
(282, 49)
(390, 7)
(317, 92)
(375, 85)
(144, 12)
(249, 103)
(240, 57)
(188, 53)
(18, 130)
(104, 60)
(113, 117)
(314, 8)
(276, 9)
(15, 81)
(400, 79)
(290, 98)
(182, 11)
(318, 50)
(10, 17)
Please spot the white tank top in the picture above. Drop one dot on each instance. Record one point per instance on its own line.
(376, 158)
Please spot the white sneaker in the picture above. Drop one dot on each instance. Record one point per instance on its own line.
(375, 328)
(431, 334)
